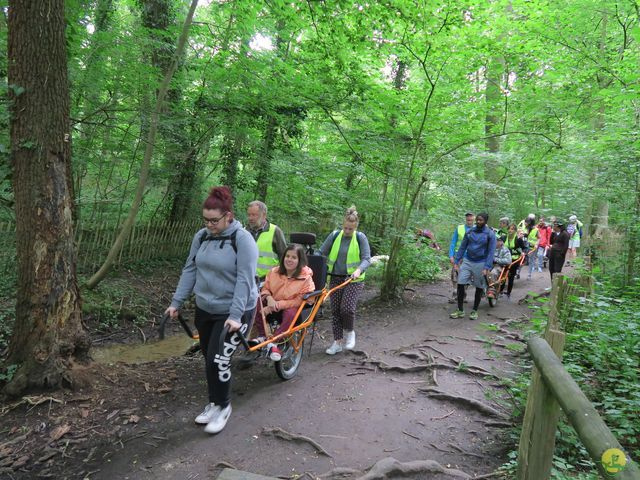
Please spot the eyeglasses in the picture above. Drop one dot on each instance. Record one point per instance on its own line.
(213, 221)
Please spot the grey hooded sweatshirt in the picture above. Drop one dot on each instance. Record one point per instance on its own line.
(221, 280)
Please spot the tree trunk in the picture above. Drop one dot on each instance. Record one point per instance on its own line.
(264, 160)
(230, 153)
(598, 211)
(632, 241)
(48, 334)
(543, 187)
(157, 17)
(494, 118)
(148, 154)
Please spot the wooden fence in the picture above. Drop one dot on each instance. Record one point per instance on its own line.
(150, 241)
(551, 389)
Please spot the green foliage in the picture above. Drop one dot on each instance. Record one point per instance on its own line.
(602, 354)
(419, 262)
(112, 302)
(7, 373)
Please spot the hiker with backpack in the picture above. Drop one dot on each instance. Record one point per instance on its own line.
(220, 271)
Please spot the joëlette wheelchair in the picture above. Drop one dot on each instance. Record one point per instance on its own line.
(494, 289)
(291, 341)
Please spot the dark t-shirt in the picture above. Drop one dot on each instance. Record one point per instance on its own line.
(560, 242)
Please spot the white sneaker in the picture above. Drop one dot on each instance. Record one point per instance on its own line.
(218, 422)
(334, 348)
(349, 340)
(207, 414)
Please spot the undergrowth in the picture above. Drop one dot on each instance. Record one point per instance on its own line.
(602, 354)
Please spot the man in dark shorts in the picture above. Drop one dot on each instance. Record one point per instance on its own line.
(476, 254)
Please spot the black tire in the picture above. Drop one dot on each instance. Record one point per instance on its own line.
(287, 367)
(492, 301)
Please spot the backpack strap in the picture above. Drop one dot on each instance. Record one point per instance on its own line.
(206, 236)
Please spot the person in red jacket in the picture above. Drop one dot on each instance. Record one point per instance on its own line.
(544, 242)
(282, 293)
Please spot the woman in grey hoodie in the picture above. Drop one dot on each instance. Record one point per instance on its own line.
(220, 271)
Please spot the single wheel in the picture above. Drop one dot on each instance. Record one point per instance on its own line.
(492, 301)
(287, 367)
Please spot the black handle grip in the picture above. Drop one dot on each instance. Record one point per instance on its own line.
(163, 325)
(243, 339)
(225, 332)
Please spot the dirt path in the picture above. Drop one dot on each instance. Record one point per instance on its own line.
(356, 408)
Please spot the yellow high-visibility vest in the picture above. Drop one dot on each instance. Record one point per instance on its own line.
(353, 255)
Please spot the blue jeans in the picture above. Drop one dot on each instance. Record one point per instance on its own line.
(536, 260)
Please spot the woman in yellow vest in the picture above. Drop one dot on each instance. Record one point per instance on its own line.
(535, 261)
(515, 244)
(348, 255)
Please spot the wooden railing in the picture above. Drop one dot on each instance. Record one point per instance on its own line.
(551, 389)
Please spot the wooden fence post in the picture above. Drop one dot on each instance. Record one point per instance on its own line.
(591, 429)
(537, 439)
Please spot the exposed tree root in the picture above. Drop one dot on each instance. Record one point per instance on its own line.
(439, 352)
(414, 355)
(512, 335)
(443, 416)
(532, 297)
(384, 366)
(457, 366)
(462, 450)
(436, 447)
(495, 424)
(359, 353)
(469, 402)
(409, 382)
(339, 472)
(284, 435)
(389, 467)
(33, 400)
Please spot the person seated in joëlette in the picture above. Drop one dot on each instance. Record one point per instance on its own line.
(282, 293)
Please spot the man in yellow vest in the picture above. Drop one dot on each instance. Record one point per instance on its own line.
(456, 241)
(268, 236)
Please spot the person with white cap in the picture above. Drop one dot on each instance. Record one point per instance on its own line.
(575, 231)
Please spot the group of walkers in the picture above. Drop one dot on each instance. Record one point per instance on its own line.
(225, 265)
(478, 253)
(227, 262)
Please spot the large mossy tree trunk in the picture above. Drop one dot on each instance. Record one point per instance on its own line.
(48, 335)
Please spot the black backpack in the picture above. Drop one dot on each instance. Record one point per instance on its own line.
(206, 237)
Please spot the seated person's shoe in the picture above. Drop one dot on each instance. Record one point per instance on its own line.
(256, 341)
(274, 353)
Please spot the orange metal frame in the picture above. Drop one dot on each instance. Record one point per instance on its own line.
(505, 271)
(287, 335)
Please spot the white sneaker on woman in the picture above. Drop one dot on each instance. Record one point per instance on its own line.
(334, 348)
(349, 340)
(207, 414)
(219, 421)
